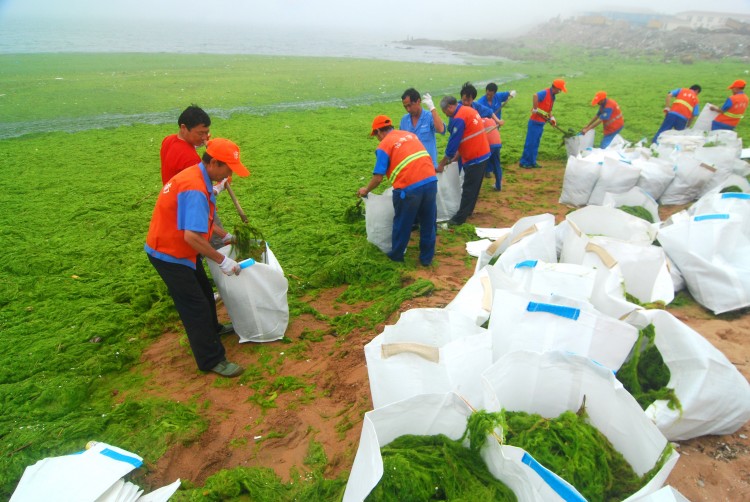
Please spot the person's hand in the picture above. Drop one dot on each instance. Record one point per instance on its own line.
(512, 93)
(220, 186)
(427, 100)
(229, 266)
(362, 192)
(534, 110)
(227, 239)
(553, 121)
(714, 108)
(666, 109)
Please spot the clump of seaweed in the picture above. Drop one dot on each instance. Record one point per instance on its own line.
(645, 375)
(354, 213)
(639, 211)
(248, 243)
(731, 189)
(435, 468)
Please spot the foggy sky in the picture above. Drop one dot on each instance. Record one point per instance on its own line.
(382, 20)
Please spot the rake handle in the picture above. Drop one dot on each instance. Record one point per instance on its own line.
(229, 190)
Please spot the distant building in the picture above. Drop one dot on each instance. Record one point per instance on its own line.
(683, 20)
(706, 20)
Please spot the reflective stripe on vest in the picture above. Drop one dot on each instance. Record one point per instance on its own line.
(734, 115)
(473, 135)
(683, 103)
(405, 162)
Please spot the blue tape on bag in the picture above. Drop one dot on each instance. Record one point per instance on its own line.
(711, 217)
(564, 490)
(527, 263)
(558, 310)
(736, 195)
(247, 263)
(120, 457)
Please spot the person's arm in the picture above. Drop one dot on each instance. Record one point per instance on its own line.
(439, 124)
(372, 185)
(592, 125)
(696, 112)
(668, 101)
(201, 245)
(535, 103)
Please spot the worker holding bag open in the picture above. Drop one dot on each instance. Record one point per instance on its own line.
(181, 227)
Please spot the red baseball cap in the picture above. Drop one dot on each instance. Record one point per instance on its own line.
(598, 97)
(380, 122)
(227, 152)
(737, 84)
(560, 84)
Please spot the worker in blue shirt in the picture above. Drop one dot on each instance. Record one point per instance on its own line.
(495, 100)
(425, 124)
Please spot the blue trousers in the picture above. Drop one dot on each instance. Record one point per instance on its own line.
(607, 139)
(494, 166)
(671, 121)
(418, 205)
(534, 132)
(721, 125)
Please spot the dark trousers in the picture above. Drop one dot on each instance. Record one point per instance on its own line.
(494, 167)
(473, 177)
(415, 206)
(194, 300)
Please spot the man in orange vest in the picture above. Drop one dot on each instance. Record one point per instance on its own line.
(681, 108)
(608, 114)
(733, 108)
(541, 113)
(181, 227)
(468, 144)
(403, 159)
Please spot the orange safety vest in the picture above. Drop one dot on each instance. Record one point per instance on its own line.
(474, 142)
(732, 116)
(544, 108)
(615, 121)
(409, 161)
(685, 103)
(493, 133)
(163, 234)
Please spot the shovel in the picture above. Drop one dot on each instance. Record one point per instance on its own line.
(243, 217)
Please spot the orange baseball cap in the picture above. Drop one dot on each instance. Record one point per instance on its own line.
(380, 122)
(737, 84)
(598, 97)
(227, 152)
(560, 84)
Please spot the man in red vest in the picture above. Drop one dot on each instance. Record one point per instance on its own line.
(608, 114)
(468, 144)
(541, 113)
(681, 108)
(181, 227)
(733, 108)
(403, 159)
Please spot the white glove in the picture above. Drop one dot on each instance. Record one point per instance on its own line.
(229, 266)
(227, 238)
(533, 110)
(427, 100)
(553, 121)
(220, 186)
(512, 94)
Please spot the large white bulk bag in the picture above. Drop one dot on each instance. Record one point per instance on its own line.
(541, 323)
(691, 175)
(731, 202)
(551, 383)
(379, 214)
(616, 176)
(579, 180)
(634, 197)
(705, 117)
(448, 198)
(580, 142)
(612, 222)
(714, 396)
(429, 350)
(711, 251)
(256, 299)
(656, 175)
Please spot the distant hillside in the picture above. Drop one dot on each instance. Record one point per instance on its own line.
(619, 37)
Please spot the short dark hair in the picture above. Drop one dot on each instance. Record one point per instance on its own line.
(192, 116)
(696, 88)
(492, 86)
(447, 101)
(469, 90)
(412, 94)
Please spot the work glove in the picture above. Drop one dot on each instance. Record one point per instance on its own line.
(229, 266)
(513, 94)
(553, 121)
(227, 239)
(220, 186)
(427, 100)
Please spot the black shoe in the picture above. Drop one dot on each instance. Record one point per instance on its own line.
(488, 175)
(536, 166)
(454, 223)
(415, 227)
(225, 329)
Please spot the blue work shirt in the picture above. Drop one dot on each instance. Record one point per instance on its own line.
(425, 131)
